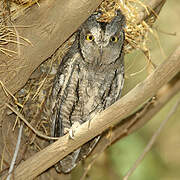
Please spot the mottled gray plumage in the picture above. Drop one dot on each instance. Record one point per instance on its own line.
(89, 79)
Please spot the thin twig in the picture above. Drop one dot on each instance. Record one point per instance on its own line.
(29, 125)
(152, 140)
(2, 158)
(164, 32)
(8, 93)
(15, 153)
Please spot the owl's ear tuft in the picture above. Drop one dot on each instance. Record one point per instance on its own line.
(116, 24)
(119, 19)
(94, 17)
(91, 22)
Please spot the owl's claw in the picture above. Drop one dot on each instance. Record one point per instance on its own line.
(73, 130)
(71, 134)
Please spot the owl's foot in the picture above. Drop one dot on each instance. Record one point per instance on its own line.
(73, 129)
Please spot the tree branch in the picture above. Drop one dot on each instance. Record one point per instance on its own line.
(108, 118)
(142, 116)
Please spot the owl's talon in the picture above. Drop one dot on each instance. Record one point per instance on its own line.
(73, 130)
(71, 134)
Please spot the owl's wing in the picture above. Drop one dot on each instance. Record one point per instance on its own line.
(66, 80)
(66, 99)
(63, 100)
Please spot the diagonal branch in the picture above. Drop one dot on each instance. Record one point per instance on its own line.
(108, 118)
(140, 117)
(136, 120)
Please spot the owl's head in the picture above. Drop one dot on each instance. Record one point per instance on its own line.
(101, 43)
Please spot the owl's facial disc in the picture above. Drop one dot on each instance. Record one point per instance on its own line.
(101, 43)
(99, 47)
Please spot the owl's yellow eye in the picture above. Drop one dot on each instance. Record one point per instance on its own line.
(89, 37)
(114, 38)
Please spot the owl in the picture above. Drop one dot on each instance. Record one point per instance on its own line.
(89, 79)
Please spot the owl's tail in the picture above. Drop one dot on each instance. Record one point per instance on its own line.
(70, 161)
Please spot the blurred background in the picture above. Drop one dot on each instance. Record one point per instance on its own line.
(163, 161)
